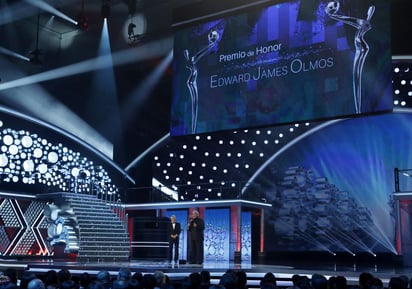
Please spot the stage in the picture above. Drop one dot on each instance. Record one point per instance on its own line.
(255, 271)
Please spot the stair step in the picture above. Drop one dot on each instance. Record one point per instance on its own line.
(86, 210)
(103, 253)
(97, 237)
(92, 224)
(102, 235)
(111, 220)
(108, 229)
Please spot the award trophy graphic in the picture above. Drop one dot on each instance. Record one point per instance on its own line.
(362, 48)
(191, 64)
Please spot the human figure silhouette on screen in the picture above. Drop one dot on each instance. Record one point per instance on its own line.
(362, 48)
(191, 64)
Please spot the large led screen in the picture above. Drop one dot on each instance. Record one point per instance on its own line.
(331, 189)
(292, 61)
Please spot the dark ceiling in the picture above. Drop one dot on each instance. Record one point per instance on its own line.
(62, 43)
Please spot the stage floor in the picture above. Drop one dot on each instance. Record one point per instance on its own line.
(283, 270)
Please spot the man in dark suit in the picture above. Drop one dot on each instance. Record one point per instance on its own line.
(196, 227)
(174, 232)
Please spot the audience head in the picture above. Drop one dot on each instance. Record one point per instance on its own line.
(377, 283)
(85, 279)
(51, 279)
(268, 281)
(405, 280)
(120, 284)
(137, 276)
(319, 281)
(133, 284)
(303, 282)
(148, 281)
(295, 279)
(26, 278)
(68, 284)
(365, 280)
(229, 280)
(340, 282)
(186, 283)
(160, 278)
(64, 275)
(124, 274)
(396, 283)
(104, 278)
(205, 278)
(241, 279)
(194, 280)
(216, 286)
(35, 283)
(95, 284)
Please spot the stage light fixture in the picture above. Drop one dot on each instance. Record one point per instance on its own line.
(47, 7)
(106, 7)
(35, 57)
(83, 22)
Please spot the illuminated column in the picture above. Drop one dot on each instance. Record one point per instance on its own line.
(398, 214)
(262, 230)
(261, 252)
(236, 216)
(398, 227)
(404, 243)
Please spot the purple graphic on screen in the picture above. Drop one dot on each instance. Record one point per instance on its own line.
(213, 37)
(362, 47)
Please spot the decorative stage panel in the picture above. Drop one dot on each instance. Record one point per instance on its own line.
(23, 228)
(217, 234)
(246, 235)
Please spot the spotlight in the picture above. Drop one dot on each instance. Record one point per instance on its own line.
(35, 57)
(106, 8)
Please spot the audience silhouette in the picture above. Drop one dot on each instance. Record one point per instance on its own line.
(230, 279)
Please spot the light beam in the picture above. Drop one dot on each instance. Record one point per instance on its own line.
(150, 50)
(8, 52)
(47, 7)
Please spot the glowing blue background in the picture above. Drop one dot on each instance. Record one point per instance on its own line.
(358, 156)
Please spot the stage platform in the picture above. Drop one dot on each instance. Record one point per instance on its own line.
(255, 271)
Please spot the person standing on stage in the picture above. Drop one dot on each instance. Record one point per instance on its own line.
(174, 232)
(196, 227)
